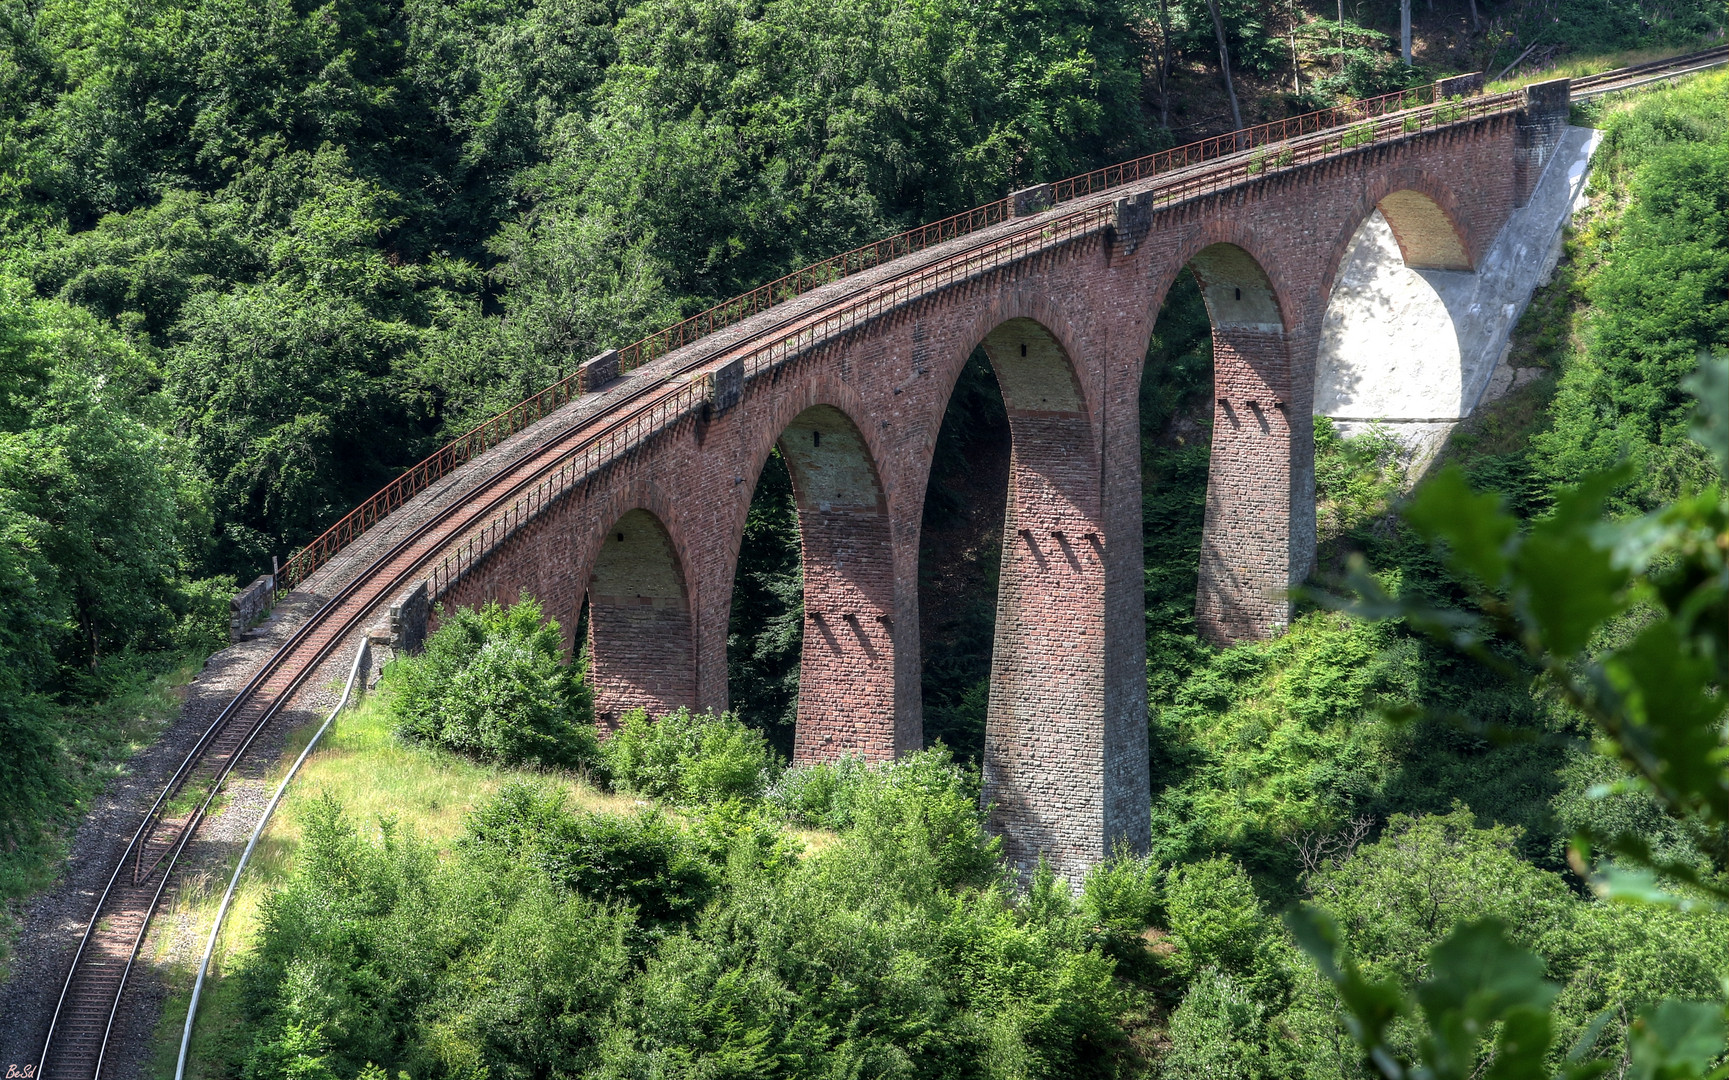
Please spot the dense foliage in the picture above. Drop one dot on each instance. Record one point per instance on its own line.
(259, 257)
(688, 757)
(1653, 277)
(492, 683)
(554, 943)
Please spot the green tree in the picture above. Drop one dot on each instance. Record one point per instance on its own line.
(1627, 620)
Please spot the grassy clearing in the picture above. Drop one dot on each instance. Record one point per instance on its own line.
(379, 777)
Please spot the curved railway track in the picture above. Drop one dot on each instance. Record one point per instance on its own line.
(76, 1047)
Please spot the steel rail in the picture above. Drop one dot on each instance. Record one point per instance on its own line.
(809, 327)
(362, 660)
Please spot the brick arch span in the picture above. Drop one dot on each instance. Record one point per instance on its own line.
(1433, 226)
(1262, 438)
(1045, 733)
(1011, 305)
(1264, 270)
(641, 622)
(794, 392)
(858, 669)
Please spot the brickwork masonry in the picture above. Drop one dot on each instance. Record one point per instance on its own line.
(857, 414)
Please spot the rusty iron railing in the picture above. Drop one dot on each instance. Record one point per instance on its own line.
(1354, 122)
(593, 454)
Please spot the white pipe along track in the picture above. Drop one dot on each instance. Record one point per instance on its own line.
(362, 662)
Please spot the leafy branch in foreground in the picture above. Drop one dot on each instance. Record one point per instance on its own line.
(1626, 620)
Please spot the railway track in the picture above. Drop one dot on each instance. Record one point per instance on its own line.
(532, 477)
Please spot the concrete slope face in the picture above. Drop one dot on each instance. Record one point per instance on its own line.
(1416, 342)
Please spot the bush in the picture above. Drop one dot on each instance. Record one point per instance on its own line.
(492, 683)
(820, 794)
(1216, 917)
(689, 757)
(643, 860)
(918, 822)
(1218, 1031)
(1121, 894)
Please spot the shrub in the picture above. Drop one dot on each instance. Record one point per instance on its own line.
(492, 683)
(1215, 916)
(1218, 1031)
(1121, 894)
(1396, 898)
(918, 821)
(689, 757)
(820, 794)
(643, 860)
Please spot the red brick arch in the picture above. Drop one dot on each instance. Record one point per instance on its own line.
(1006, 306)
(847, 667)
(1378, 186)
(643, 653)
(1047, 656)
(797, 393)
(1216, 230)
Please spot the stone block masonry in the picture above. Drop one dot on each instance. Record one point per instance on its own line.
(249, 605)
(650, 541)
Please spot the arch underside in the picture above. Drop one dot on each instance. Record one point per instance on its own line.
(847, 669)
(641, 636)
(1246, 565)
(1044, 735)
(1427, 237)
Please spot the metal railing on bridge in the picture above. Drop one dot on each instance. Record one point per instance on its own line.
(1275, 145)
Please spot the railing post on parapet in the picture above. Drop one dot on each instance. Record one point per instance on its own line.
(1130, 219)
(1468, 85)
(1540, 126)
(598, 371)
(249, 604)
(1029, 201)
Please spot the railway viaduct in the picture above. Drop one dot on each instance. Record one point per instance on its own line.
(625, 487)
(852, 387)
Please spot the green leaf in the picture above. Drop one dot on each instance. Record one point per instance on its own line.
(1568, 583)
(1474, 527)
(1675, 714)
(1676, 1040)
(1370, 1007)
(1479, 978)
